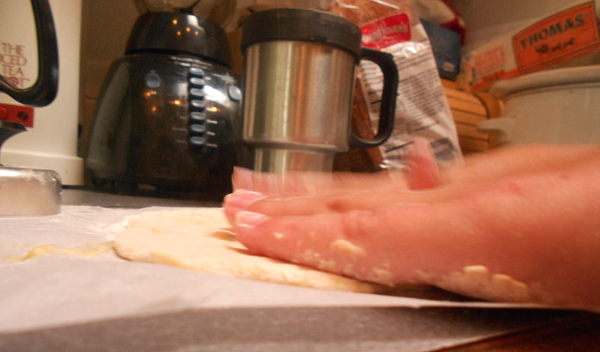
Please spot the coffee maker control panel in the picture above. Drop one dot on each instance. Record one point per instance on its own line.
(197, 108)
(205, 128)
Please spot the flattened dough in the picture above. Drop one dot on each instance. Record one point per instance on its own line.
(202, 239)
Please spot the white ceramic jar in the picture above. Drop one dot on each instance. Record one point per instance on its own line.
(555, 106)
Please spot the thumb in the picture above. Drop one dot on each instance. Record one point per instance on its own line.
(339, 243)
(423, 172)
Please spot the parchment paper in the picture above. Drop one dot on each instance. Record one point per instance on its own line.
(62, 288)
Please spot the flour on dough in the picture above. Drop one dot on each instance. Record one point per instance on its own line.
(477, 281)
(202, 239)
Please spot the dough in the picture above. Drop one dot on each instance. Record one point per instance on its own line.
(82, 251)
(202, 239)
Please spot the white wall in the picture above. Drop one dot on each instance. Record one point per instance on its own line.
(489, 18)
(105, 28)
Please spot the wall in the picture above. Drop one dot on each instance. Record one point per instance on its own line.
(105, 29)
(489, 18)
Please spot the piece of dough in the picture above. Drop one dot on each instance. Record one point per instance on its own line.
(202, 239)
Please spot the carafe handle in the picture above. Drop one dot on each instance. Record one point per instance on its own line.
(387, 111)
(44, 90)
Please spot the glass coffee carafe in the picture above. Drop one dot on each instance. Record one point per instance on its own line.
(167, 117)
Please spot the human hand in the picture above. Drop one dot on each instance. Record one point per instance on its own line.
(519, 224)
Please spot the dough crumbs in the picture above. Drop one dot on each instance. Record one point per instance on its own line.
(346, 247)
(476, 281)
(87, 250)
(506, 283)
(197, 239)
(327, 265)
(383, 277)
(313, 257)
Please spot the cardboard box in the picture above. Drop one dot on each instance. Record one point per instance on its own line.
(446, 49)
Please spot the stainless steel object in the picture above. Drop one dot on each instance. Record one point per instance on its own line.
(300, 103)
(24, 191)
(298, 85)
(29, 192)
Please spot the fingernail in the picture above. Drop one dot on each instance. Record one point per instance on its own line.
(421, 148)
(241, 178)
(249, 219)
(422, 166)
(242, 199)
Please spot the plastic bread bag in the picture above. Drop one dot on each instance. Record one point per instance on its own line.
(421, 107)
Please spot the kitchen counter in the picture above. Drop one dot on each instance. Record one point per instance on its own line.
(240, 314)
(141, 199)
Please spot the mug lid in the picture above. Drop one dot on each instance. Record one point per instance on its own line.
(304, 25)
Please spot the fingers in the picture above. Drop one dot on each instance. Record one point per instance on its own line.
(400, 244)
(421, 166)
(306, 205)
(335, 243)
(477, 177)
(239, 201)
(320, 192)
(335, 202)
(423, 172)
(326, 192)
(534, 239)
(306, 183)
(514, 161)
(525, 232)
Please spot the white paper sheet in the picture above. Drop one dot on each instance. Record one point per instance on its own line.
(62, 288)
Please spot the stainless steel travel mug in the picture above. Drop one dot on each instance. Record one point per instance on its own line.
(299, 75)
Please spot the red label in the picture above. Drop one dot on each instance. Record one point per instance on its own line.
(490, 61)
(386, 32)
(17, 113)
(555, 39)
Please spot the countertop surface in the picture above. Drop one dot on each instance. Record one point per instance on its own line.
(140, 199)
(173, 322)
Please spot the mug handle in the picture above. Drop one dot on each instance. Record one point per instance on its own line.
(45, 88)
(387, 111)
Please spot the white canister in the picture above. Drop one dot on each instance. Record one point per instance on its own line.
(555, 106)
(51, 143)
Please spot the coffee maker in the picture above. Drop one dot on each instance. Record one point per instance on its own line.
(168, 114)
